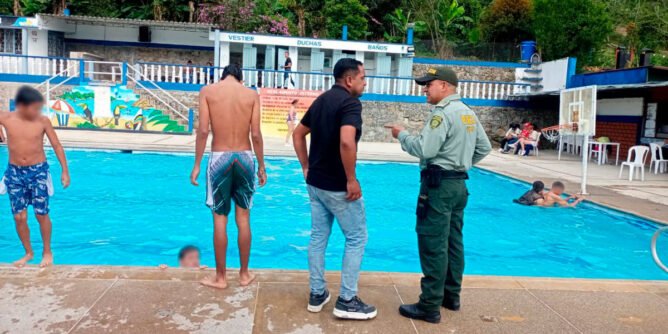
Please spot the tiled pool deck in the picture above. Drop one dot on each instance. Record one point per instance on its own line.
(91, 299)
(68, 299)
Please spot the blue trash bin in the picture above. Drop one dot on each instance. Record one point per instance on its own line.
(528, 48)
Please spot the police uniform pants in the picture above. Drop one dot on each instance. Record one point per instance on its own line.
(440, 243)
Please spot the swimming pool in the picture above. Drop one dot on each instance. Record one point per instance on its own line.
(139, 209)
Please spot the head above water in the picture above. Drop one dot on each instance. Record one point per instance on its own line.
(349, 73)
(538, 186)
(439, 82)
(29, 102)
(189, 257)
(234, 70)
(558, 188)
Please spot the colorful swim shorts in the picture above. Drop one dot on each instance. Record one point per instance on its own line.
(230, 175)
(28, 185)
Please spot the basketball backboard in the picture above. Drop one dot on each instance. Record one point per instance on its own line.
(577, 111)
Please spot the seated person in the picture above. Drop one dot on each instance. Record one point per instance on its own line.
(511, 137)
(524, 133)
(529, 142)
(532, 196)
(553, 197)
(189, 257)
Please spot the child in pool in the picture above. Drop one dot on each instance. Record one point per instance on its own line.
(553, 197)
(27, 179)
(189, 257)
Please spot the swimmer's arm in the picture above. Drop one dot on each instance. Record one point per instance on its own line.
(3, 116)
(58, 149)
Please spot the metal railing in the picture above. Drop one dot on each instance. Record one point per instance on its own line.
(655, 255)
(161, 73)
(138, 77)
(388, 85)
(35, 65)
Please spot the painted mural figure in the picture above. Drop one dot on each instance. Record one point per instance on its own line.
(232, 112)
(27, 180)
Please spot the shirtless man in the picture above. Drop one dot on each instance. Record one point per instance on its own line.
(27, 179)
(553, 197)
(232, 112)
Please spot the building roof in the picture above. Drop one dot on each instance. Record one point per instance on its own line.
(625, 76)
(122, 21)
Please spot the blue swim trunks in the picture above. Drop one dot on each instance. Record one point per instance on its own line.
(28, 185)
(230, 176)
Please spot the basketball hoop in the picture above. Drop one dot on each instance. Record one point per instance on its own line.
(552, 133)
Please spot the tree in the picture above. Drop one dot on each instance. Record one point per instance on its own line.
(350, 12)
(443, 19)
(639, 24)
(399, 22)
(507, 21)
(300, 8)
(571, 28)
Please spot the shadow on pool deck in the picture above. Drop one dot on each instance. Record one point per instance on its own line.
(96, 299)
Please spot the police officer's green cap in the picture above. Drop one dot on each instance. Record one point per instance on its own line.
(438, 73)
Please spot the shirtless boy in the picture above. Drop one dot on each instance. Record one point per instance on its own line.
(553, 197)
(232, 112)
(27, 179)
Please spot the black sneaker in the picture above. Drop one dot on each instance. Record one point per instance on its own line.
(316, 302)
(354, 309)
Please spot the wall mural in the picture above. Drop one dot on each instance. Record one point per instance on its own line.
(116, 107)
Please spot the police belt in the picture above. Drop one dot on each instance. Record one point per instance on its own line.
(437, 172)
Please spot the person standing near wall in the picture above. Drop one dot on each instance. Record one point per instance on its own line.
(451, 141)
(287, 78)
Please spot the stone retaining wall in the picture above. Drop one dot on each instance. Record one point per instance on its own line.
(133, 55)
(480, 73)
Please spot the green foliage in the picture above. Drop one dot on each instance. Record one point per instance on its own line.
(399, 21)
(444, 19)
(350, 12)
(571, 28)
(507, 21)
(86, 125)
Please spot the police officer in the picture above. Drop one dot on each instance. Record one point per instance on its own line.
(451, 141)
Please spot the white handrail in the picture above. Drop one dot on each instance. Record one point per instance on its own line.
(158, 98)
(653, 246)
(156, 86)
(59, 74)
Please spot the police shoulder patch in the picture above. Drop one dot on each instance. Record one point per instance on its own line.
(435, 121)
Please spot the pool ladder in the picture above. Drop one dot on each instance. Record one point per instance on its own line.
(654, 254)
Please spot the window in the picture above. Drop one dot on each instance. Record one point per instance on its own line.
(11, 41)
(56, 44)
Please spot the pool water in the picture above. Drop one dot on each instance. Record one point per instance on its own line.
(139, 209)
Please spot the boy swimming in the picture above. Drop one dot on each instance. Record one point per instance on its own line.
(553, 197)
(27, 179)
(189, 257)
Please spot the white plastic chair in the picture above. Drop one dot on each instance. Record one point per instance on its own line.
(578, 141)
(658, 161)
(535, 148)
(638, 161)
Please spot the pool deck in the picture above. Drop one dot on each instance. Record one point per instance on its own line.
(91, 299)
(648, 199)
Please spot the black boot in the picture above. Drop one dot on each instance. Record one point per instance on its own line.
(452, 305)
(414, 312)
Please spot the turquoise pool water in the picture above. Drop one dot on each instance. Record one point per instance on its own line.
(139, 209)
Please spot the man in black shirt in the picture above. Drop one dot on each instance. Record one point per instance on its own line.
(334, 121)
(288, 68)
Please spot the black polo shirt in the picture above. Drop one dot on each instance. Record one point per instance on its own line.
(328, 113)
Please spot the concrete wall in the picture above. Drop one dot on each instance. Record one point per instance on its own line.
(137, 54)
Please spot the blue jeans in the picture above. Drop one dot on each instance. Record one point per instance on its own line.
(325, 206)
